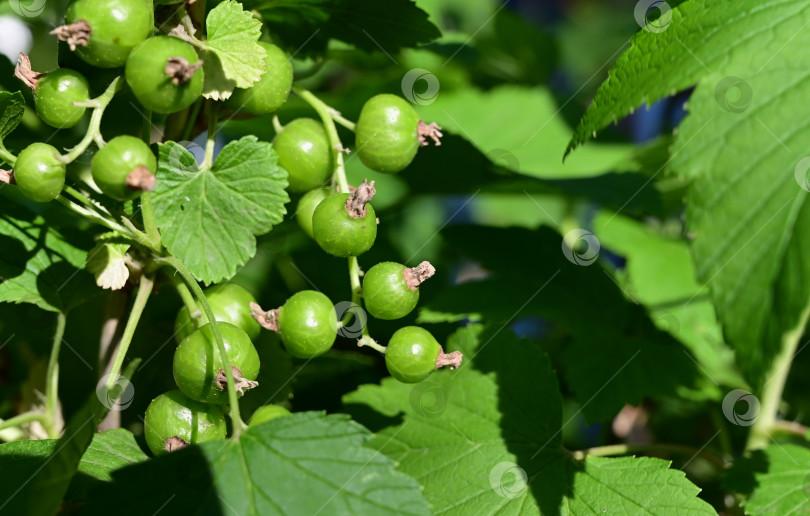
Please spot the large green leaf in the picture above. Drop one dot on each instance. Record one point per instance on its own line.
(743, 145)
(209, 218)
(305, 463)
(531, 276)
(305, 26)
(486, 440)
(775, 481)
(39, 264)
(233, 58)
(522, 129)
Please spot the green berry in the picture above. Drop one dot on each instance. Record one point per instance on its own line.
(266, 413)
(307, 324)
(306, 208)
(387, 133)
(153, 86)
(230, 303)
(173, 421)
(113, 164)
(411, 354)
(39, 172)
(116, 27)
(303, 151)
(54, 96)
(198, 368)
(272, 90)
(340, 233)
(391, 290)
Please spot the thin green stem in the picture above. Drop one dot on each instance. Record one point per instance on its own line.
(25, 417)
(366, 340)
(277, 124)
(211, 140)
(171, 261)
(192, 119)
(52, 379)
(145, 287)
(94, 130)
(325, 113)
(187, 298)
(7, 156)
(98, 219)
(345, 122)
(627, 449)
(87, 201)
(149, 223)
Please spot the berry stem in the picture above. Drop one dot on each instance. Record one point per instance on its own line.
(171, 261)
(188, 299)
(149, 224)
(26, 417)
(145, 286)
(211, 140)
(277, 127)
(94, 129)
(7, 156)
(627, 449)
(365, 340)
(345, 122)
(93, 216)
(52, 379)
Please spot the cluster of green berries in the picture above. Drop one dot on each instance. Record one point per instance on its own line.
(193, 413)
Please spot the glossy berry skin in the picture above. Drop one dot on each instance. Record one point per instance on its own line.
(230, 303)
(385, 292)
(39, 173)
(271, 91)
(112, 164)
(303, 151)
(306, 208)
(307, 324)
(266, 413)
(386, 131)
(197, 362)
(148, 80)
(173, 414)
(116, 27)
(340, 234)
(54, 96)
(411, 354)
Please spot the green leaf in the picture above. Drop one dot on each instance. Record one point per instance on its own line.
(209, 218)
(486, 439)
(108, 451)
(775, 481)
(746, 207)
(533, 140)
(233, 57)
(42, 491)
(12, 107)
(660, 274)
(531, 276)
(306, 26)
(40, 265)
(305, 463)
